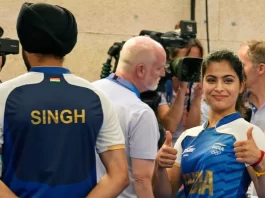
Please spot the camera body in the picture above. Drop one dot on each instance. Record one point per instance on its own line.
(188, 31)
(7, 45)
(185, 69)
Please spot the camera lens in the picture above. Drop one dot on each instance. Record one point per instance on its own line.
(1, 32)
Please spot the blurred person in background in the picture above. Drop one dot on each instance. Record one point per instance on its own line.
(252, 55)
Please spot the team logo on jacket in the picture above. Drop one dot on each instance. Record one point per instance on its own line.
(217, 148)
(188, 150)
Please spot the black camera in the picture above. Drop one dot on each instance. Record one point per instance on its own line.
(188, 31)
(113, 52)
(8, 46)
(185, 69)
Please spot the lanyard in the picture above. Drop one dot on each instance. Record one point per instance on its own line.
(124, 83)
(253, 107)
(169, 91)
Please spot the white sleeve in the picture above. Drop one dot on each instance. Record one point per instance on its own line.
(259, 137)
(110, 136)
(144, 135)
(178, 146)
(204, 112)
(163, 99)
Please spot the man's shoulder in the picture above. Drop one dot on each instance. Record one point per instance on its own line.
(81, 82)
(140, 107)
(7, 87)
(238, 128)
(106, 85)
(103, 85)
(77, 81)
(119, 94)
(20, 80)
(123, 97)
(100, 81)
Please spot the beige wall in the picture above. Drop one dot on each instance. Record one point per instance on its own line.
(103, 22)
(231, 22)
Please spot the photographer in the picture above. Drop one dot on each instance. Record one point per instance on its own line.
(140, 67)
(180, 105)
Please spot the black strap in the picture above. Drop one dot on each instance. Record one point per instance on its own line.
(189, 98)
(248, 115)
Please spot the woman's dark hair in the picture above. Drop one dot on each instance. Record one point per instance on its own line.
(236, 65)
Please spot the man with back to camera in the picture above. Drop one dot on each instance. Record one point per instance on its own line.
(52, 121)
(139, 69)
